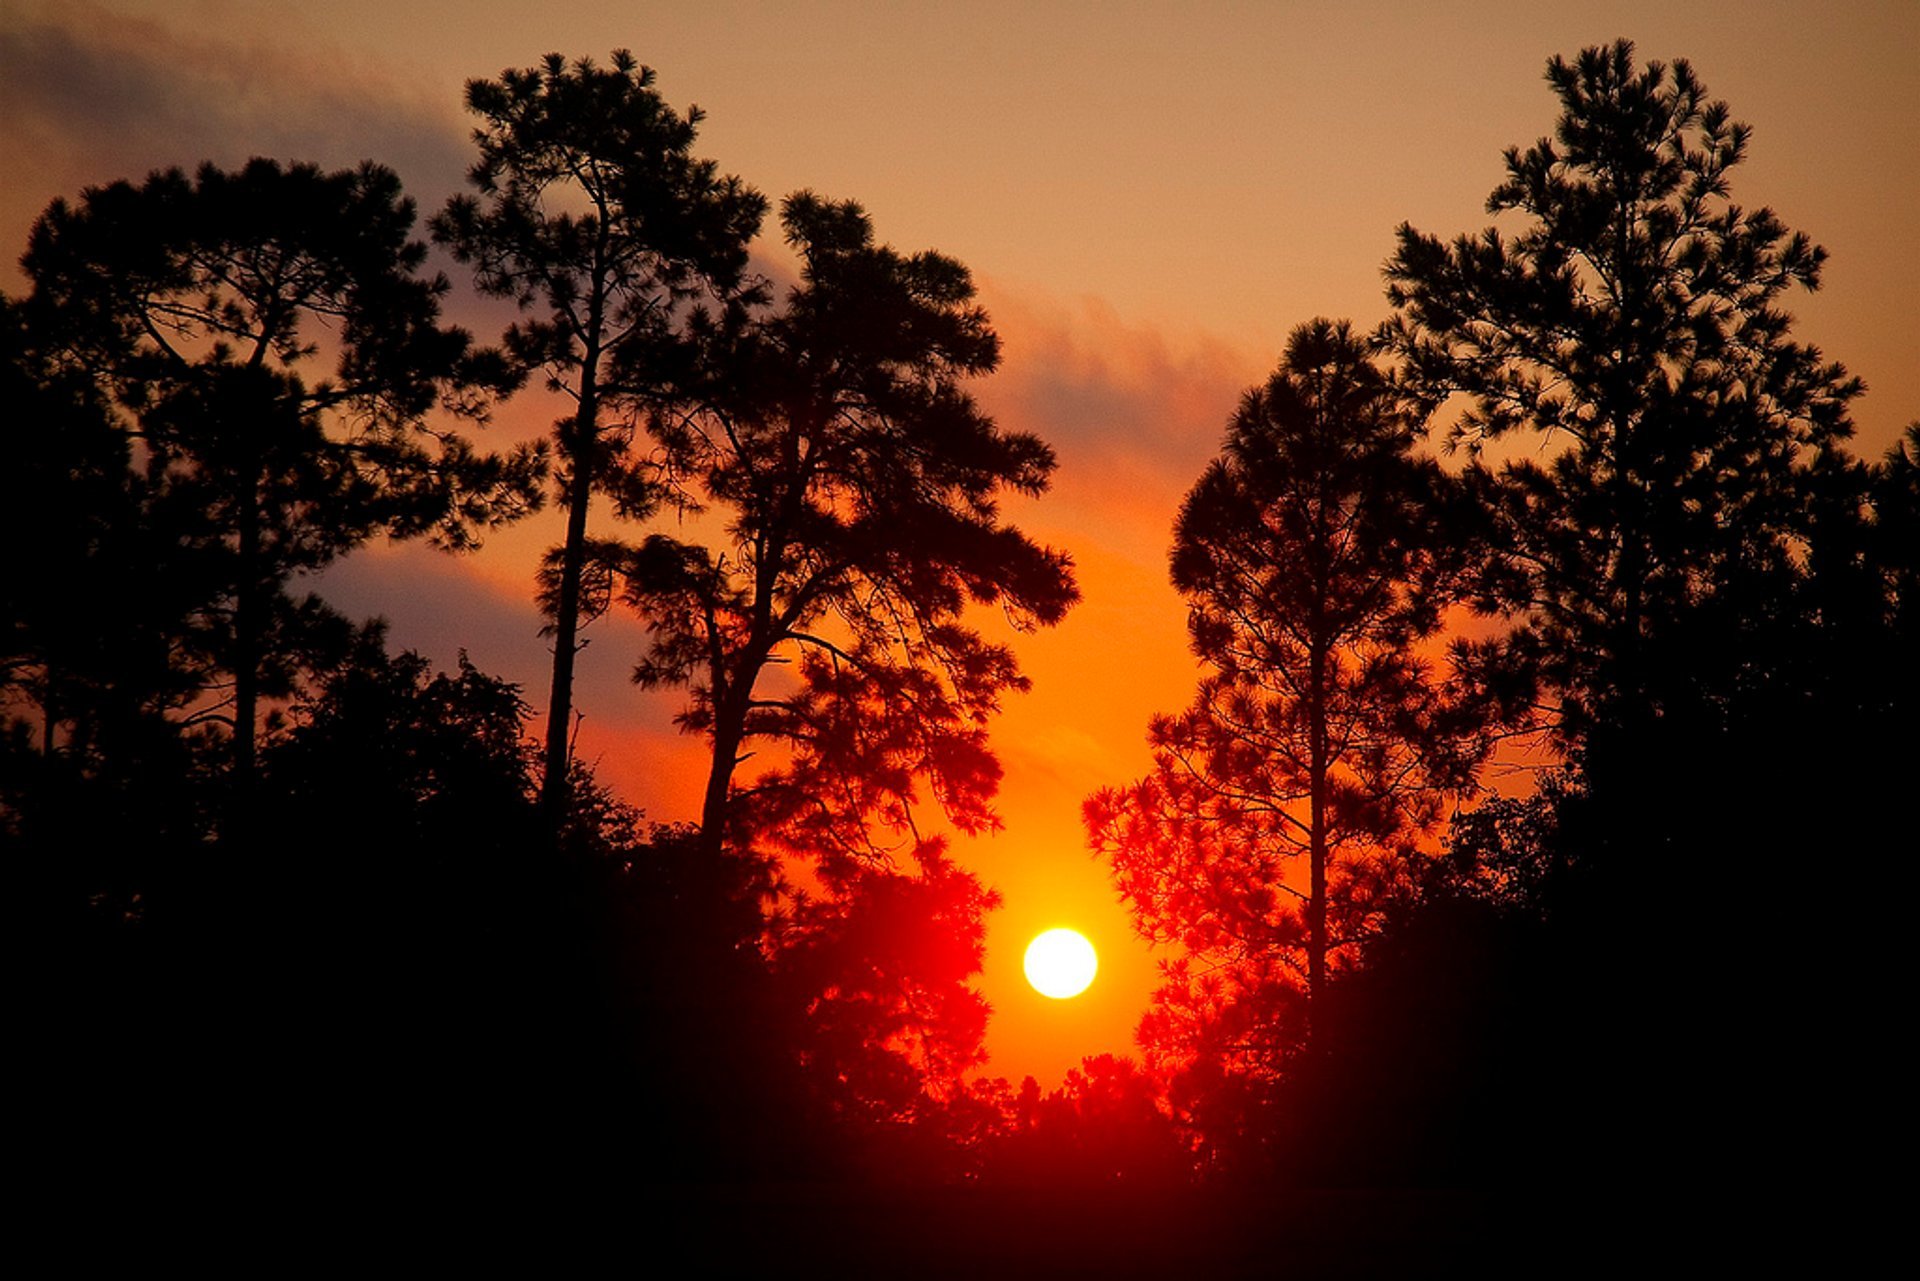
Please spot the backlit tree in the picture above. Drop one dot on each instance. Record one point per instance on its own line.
(1700, 583)
(595, 217)
(1317, 560)
(1633, 322)
(843, 495)
(202, 305)
(852, 491)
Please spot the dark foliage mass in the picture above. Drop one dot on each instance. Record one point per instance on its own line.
(593, 215)
(189, 314)
(1706, 601)
(1705, 585)
(1318, 553)
(859, 486)
(306, 900)
(327, 891)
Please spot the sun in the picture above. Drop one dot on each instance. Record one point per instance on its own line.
(1061, 963)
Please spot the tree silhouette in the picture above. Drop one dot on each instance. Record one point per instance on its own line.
(420, 963)
(1316, 557)
(1700, 580)
(423, 876)
(879, 969)
(854, 490)
(200, 303)
(847, 488)
(1634, 321)
(85, 644)
(594, 216)
(1104, 1125)
(98, 785)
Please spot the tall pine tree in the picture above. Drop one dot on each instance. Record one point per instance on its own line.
(594, 216)
(201, 305)
(1317, 562)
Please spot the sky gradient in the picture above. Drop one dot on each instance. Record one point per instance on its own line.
(1150, 196)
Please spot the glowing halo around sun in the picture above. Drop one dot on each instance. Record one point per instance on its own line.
(1061, 963)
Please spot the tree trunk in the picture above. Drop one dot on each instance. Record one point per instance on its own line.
(733, 701)
(566, 623)
(1317, 823)
(729, 730)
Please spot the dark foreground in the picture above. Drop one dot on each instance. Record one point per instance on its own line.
(999, 1234)
(550, 1222)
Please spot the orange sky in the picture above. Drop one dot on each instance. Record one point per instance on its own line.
(1151, 196)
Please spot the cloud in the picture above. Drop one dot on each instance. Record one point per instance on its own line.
(1134, 411)
(1100, 382)
(91, 96)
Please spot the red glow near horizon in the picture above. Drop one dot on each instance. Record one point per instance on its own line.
(1140, 265)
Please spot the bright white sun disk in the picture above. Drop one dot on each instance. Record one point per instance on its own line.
(1061, 963)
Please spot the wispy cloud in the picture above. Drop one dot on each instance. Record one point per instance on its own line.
(91, 96)
(1132, 410)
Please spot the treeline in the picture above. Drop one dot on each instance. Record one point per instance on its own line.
(296, 891)
(297, 888)
(1669, 956)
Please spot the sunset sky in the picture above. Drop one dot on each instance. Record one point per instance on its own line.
(1150, 197)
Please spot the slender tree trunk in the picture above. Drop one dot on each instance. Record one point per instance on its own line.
(1317, 822)
(733, 701)
(733, 691)
(566, 623)
(729, 731)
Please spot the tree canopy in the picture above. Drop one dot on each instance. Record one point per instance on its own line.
(1316, 556)
(852, 489)
(199, 305)
(1634, 322)
(593, 215)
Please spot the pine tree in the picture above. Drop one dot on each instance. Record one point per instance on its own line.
(1317, 560)
(846, 490)
(199, 305)
(857, 488)
(1697, 580)
(1633, 322)
(595, 217)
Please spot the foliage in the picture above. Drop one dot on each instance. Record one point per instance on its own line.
(1633, 319)
(595, 218)
(1510, 851)
(92, 610)
(1316, 555)
(854, 488)
(421, 867)
(1104, 1126)
(197, 305)
(423, 755)
(879, 970)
